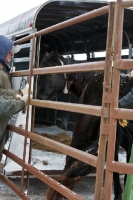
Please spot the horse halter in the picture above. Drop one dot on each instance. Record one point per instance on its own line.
(65, 91)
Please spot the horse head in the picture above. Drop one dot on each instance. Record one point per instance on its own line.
(50, 84)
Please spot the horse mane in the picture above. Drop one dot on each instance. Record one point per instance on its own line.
(79, 80)
(50, 59)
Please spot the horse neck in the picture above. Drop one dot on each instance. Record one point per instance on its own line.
(79, 81)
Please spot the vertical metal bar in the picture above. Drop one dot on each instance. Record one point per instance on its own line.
(33, 111)
(106, 89)
(35, 79)
(115, 92)
(27, 116)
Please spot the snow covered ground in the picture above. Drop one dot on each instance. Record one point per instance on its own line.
(38, 189)
(54, 161)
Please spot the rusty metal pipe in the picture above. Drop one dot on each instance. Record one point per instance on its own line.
(127, 4)
(80, 155)
(86, 67)
(45, 178)
(71, 107)
(124, 64)
(120, 167)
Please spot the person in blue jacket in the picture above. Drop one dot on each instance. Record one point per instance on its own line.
(8, 103)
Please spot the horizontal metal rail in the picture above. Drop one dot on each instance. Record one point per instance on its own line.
(127, 4)
(121, 113)
(124, 64)
(120, 167)
(80, 155)
(71, 107)
(86, 67)
(45, 178)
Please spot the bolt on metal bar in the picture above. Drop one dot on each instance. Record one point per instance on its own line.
(121, 113)
(127, 4)
(119, 167)
(27, 112)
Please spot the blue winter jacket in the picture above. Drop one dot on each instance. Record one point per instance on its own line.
(5, 47)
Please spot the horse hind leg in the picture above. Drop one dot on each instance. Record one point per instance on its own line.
(68, 182)
(72, 175)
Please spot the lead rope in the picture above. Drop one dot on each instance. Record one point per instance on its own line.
(65, 91)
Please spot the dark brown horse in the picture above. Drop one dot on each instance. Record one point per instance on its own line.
(86, 131)
(50, 84)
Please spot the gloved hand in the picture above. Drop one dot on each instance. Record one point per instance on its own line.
(24, 91)
(25, 98)
(18, 97)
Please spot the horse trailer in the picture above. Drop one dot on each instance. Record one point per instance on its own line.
(76, 29)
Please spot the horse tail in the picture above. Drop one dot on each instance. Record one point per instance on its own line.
(67, 182)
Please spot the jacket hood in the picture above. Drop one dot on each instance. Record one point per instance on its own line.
(5, 47)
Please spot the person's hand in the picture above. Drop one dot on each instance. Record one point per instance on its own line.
(25, 98)
(24, 91)
(18, 96)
